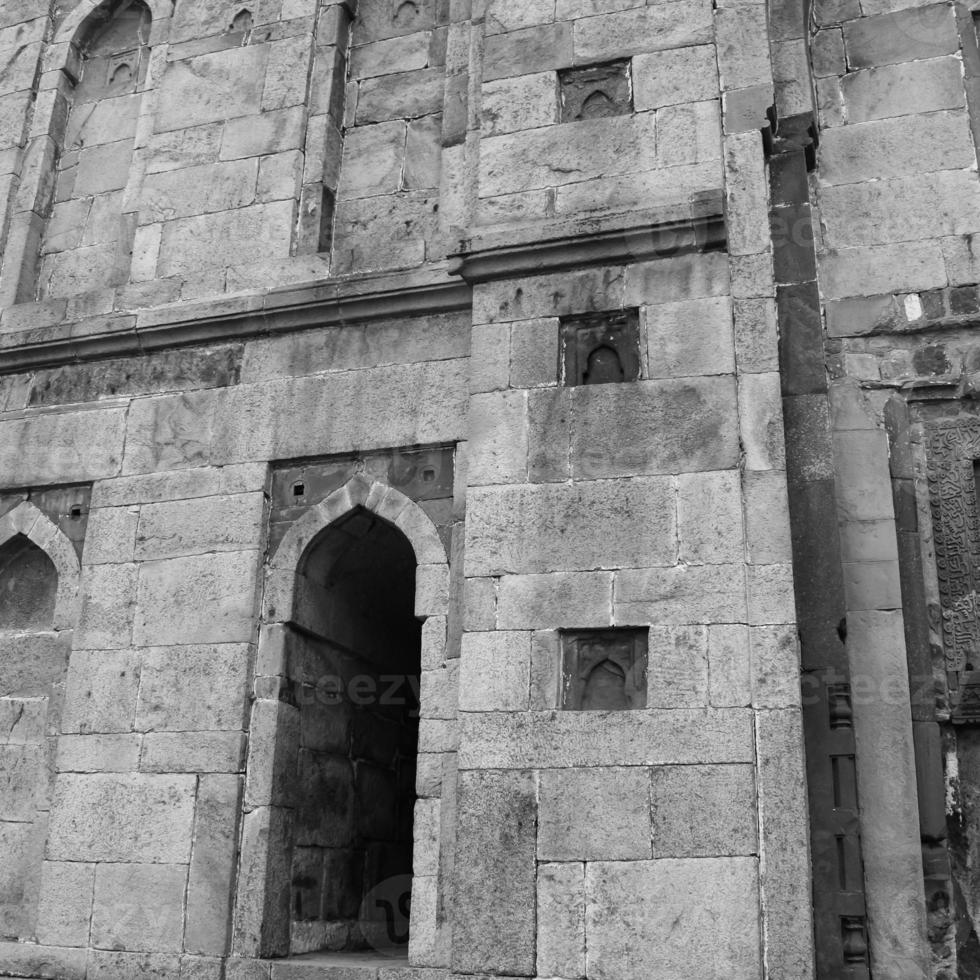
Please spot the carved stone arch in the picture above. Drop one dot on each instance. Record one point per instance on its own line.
(25, 519)
(432, 577)
(262, 914)
(75, 22)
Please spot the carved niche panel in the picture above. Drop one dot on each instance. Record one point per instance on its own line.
(604, 670)
(953, 447)
(601, 348)
(596, 91)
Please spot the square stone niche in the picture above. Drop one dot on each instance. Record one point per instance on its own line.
(604, 670)
(596, 91)
(601, 348)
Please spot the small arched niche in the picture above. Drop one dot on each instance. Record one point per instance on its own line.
(88, 237)
(354, 666)
(28, 587)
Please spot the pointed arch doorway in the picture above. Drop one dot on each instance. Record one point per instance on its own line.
(329, 852)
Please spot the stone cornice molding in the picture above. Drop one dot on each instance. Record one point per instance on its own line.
(487, 259)
(293, 308)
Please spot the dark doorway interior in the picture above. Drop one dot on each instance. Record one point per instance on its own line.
(355, 663)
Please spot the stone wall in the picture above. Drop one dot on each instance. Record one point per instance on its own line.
(367, 263)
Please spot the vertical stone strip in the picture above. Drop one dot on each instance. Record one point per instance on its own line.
(27, 155)
(495, 874)
(324, 128)
(746, 80)
(835, 842)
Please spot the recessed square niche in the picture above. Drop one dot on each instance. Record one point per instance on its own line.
(596, 91)
(604, 670)
(600, 348)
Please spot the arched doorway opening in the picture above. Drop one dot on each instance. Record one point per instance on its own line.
(354, 664)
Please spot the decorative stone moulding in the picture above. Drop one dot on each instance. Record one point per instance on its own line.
(695, 227)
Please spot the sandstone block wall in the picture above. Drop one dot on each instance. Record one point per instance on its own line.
(355, 235)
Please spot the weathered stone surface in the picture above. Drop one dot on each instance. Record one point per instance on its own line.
(184, 148)
(201, 752)
(709, 518)
(105, 965)
(769, 594)
(209, 524)
(761, 421)
(561, 920)
(533, 49)
(674, 77)
(685, 594)
(633, 908)
(926, 86)
(785, 868)
(495, 671)
(742, 61)
(400, 96)
(906, 35)
(45, 450)
(193, 688)
(111, 535)
(212, 88)
(65, 909)
(199, 599)
(54, 962)
(524, 528)
(550, 157)
(729, 665)
(521, 102)
(767, 526)
(227, 237)
(122, 818)
(703, 811)
(552, 600)
(690, 338)
(98, 753)
(592, 291)
(667, 427)
(560, 740)
(390, 55)
(498, 436)
(650, 28)
(400, 405)
(139, 907)
(496, 870)
(382, 149)
(354, 346)
(198, 190)
(179, 484)
(534, 348)
(272, 132)
(896, 147)
(29, 664)
(102, 689)
(618, 803)
(677, 674)
(212, 869)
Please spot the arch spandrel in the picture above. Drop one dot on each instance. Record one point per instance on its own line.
(25, 519)
(381, 500)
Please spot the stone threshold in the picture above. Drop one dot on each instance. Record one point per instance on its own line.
(336, 966)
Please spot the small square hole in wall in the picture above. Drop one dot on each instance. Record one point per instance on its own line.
(600, 348)
(604, 670)
(596, 91)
